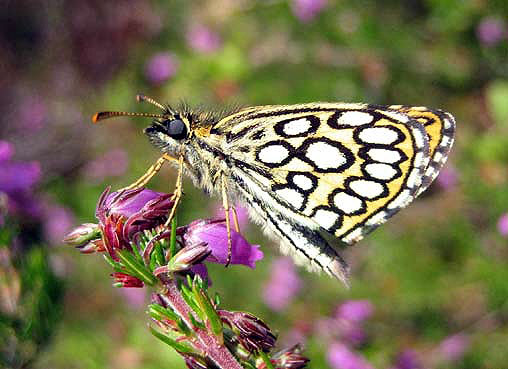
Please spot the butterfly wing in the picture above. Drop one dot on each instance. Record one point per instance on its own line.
(341, 168)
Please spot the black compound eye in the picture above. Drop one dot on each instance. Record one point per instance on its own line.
(176, 129)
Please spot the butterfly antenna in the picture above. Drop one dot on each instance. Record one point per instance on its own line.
(112, 114)
(141, 98)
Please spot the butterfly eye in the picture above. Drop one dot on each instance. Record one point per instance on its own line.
(176, 129)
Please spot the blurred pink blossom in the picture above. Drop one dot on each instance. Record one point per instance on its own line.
(341, 357)
(161, 67)
(307, 10)
(113, 163)
(6, 150)
(135, 297)
(491, 30)
(283, 285)
(453, 347)
(355, 310)
(57, 222)
(407, 359)
(447, 178)
(203, 39)
(32, 114)
(502, 225)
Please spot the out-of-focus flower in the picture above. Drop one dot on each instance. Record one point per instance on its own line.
(502, 225)
(283, 285)
(17, 180)
(307, 10)
(453, 347)
(214, 234)
(252, 332)
(241, 212)
(161, 67)
(355, 310)
(32, 114)
(491, 30)
(122, 215)
(113, 163)
(6, 150)
(135, 297)
(447, 178)
(57, 220)
(407, 359)
(203, 39)
(126, 280)
(341, 357)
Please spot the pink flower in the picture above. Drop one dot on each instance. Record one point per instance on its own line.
(355, 310)
(307, 10)
(241, 212)
(113, 163)
(341, 357)
(491, 30)
(447, 178)
(161, 67)
(453, 347)
(203, 39)
(283, 285)
(502, 225)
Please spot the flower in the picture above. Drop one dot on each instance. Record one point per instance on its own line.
(491, 30)
(124, 214)
(453, 347)
(283, 285)
(341, 357)
(111, 164)
(355, 310)
(56, 221)
(407, 359)
(6, 150)
(307, 10)
(82, 234)
(447, 178)
(502, 225)
(252, 332)
(161, 67)
(214, 234)
(241, 212)
(203, 39)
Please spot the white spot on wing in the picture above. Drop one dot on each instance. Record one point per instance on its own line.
(296, 127)
(378, 135)
(401, 200)
(325, 156)
(305, 183)
(347, 203)
(366, 188)
(325, 218)
(273, 154)
(381, 171)
(355, 118)
(292, 196)
(384, 155)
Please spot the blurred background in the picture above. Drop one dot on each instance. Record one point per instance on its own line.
(429, 288)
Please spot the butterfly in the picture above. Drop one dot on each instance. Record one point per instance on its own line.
(316, 176)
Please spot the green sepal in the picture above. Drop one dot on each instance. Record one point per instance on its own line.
(207, 307)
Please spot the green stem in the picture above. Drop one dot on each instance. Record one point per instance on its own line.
(172, 240)
(266, 360)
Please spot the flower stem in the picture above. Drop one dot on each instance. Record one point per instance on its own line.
(266, 360)
(207, 341)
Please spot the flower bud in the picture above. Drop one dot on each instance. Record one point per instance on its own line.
(194, 363)
(253, 333)
(92, 246)
(189, 256)
(81, 235)
(290, 359)
(126, 280)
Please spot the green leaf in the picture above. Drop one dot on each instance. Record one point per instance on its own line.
(136, 268)
(178, 346)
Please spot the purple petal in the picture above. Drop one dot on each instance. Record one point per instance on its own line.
(283, 285)
(215, 235)
(241, 212)
(491, 30)
(130, 202)
(453, 347)
(203, 39)
(111, 164)
(341, 357)
(407, 359)
(201, 270)
(307, 10)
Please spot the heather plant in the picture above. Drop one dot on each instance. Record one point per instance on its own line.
(171, 262)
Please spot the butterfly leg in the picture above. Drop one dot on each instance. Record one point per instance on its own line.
(152, 171)
(235, 219)
(225, 204)
(177, 195)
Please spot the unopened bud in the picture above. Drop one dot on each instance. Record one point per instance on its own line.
(189, 256)
(82, 234)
